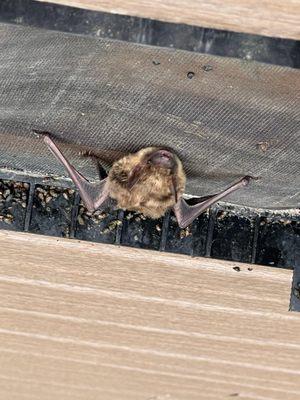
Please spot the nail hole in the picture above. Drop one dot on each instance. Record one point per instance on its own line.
(237, 269)
(190, 74)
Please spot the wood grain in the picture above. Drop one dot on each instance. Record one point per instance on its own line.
(267, 17)
(88, 321)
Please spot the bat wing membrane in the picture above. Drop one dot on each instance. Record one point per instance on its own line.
(93, 195)
(186, 213)
(96, 195)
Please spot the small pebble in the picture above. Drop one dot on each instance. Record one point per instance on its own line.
(53, 193)
(80, 220)
(48, 199)
(185, 233)
(41, 190)
(41, 196)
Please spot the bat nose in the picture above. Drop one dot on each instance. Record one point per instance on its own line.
(163, 158)
(165, 153)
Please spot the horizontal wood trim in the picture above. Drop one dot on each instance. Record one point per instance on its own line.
(268, 18)
(82, 320)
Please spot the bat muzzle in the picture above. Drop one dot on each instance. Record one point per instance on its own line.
(163, 158)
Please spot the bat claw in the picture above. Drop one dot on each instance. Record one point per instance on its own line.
(38, 133)
(246, 180)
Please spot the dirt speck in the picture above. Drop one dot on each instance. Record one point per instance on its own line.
(207, 68)
(263, 146)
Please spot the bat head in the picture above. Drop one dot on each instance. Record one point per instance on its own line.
(149, 181)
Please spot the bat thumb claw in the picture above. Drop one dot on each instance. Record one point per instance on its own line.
(246, 180)
(38, 133)
(47, 140)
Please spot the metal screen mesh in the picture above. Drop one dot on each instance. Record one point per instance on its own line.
(225, 118)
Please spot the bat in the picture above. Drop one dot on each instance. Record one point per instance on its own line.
(150, 181)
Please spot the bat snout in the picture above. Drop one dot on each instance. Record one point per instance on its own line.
(163, 158)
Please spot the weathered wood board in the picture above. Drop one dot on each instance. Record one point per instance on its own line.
(269, 18)
(233, 118)
(90, 321)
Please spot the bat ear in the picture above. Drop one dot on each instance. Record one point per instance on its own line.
(135, 174)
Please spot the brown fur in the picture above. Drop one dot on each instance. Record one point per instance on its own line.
(152, 195)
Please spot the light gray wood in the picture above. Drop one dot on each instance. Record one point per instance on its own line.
(101, 95)
(269, 18)
(88, 321)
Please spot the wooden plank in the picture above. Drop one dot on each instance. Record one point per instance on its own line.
(295, 293)
(269, 18)
(82, 321)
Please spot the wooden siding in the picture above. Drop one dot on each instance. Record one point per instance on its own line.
(89, 321)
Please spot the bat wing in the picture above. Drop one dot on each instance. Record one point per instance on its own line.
(93, 195)
(186, 213)
(192, 201)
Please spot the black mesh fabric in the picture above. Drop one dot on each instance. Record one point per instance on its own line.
(225, 118)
